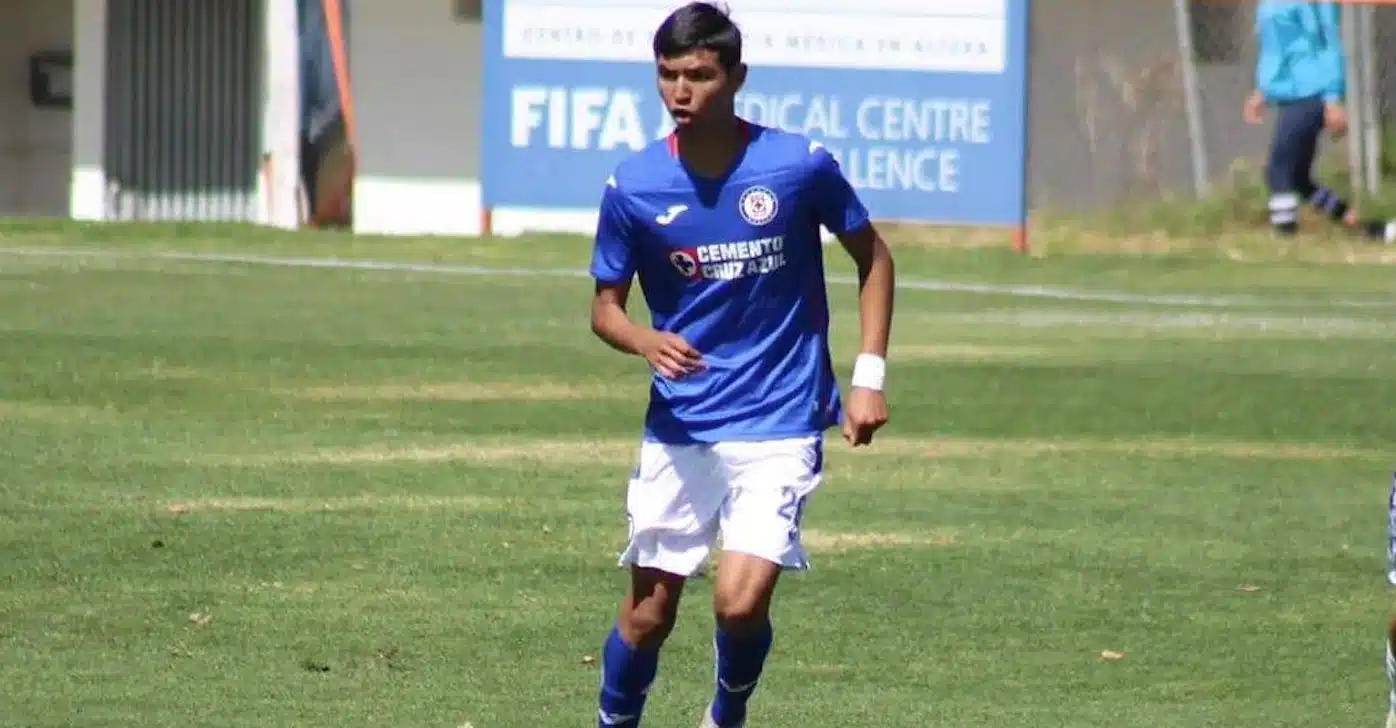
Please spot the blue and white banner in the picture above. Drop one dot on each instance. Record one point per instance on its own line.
(923, 102)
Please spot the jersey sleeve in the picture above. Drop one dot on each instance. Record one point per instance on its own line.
(836, 202)
(613, 251)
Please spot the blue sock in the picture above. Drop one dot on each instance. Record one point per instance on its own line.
(1329, 203)
(626, 675)
(739, 662)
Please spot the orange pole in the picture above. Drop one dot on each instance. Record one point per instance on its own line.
(337, 208)
(334, 27)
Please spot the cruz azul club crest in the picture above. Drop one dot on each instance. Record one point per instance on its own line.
(758, 205)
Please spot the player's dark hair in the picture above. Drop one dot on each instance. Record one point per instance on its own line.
(700, 26)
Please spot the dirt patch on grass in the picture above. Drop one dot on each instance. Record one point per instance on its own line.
(51, 413)
(835, 541)
(366, 502)
(615, 452)
(966, 352)
(162, 372)
(1180, 448)
(489, 391)
(622, 453)
(544, 391)
(822, 668)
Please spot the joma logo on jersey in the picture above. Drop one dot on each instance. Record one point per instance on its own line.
(730, 261)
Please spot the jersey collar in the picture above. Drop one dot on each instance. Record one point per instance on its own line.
(748, 133)
(672, 141)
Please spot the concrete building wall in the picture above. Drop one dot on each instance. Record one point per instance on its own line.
(35, 143)
(418, 84)
(1108, 121)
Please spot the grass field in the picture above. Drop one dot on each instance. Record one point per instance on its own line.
(236, 494)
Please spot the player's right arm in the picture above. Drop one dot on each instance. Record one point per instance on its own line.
(613, 267)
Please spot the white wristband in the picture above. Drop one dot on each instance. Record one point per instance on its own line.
(869, 372)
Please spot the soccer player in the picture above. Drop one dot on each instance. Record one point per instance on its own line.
(1300, 70)
(1391, 674)
(720, 222)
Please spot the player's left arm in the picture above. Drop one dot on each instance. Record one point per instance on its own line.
(867, 403)
(876, 287)
(844, 214)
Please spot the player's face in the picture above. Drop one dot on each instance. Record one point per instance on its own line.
(696, 88)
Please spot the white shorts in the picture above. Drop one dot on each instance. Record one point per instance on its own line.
(681, 498)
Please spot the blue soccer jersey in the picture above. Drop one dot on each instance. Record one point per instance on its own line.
(735, 266)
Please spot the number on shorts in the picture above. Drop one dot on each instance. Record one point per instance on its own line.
(792, 509)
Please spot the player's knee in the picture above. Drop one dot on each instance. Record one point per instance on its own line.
(741, 610)
(648, 613)
(647, 623)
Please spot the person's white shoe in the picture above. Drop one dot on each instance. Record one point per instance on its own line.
(708, 722)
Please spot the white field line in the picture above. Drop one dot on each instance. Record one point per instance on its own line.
(942, 286)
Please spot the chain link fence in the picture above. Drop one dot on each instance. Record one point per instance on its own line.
(1143, 98)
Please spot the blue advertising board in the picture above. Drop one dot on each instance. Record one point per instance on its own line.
(923, 102)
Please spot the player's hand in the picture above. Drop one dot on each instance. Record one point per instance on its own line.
(863, 414)
(1254, 110)
(671, 356)
(1335, 118)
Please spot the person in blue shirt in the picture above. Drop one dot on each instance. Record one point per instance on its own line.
(1301, 71)
(720, 223)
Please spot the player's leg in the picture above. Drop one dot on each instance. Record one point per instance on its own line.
(630, 656)
(1391, 674)
(1281, 172)
(769, 484)
(672, 503)
(1304, 128)
(743, 635)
